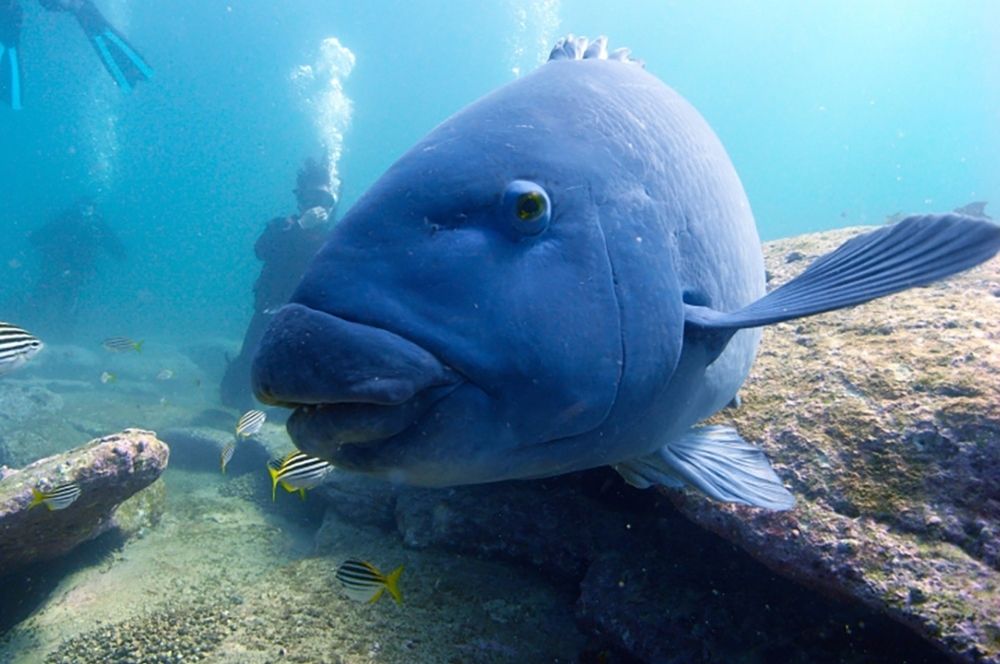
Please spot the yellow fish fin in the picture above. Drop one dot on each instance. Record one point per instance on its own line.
(302, 494)
(377, 594)
(274, 481)
(138, 345)
(392, 584)
(37, 498)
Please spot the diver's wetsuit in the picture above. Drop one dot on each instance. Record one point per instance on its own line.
(69, 249)
(285, 250)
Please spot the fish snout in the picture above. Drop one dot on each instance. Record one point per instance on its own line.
(309, 357)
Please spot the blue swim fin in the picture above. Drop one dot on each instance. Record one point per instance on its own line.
(914, 252)
(117, 55)
(718, 462)
(10, 61)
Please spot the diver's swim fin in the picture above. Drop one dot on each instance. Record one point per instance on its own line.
(914, 252)
(10, 76)
(121, 60)
(718, 462)
(11, 17)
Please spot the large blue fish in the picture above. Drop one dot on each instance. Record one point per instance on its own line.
(565, 274)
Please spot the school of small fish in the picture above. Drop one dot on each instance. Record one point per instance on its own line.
(362, 581)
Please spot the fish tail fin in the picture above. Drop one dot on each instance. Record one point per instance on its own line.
(37, 498)
(716, 461)
(392, 584)
(274, 482)
(138, 345)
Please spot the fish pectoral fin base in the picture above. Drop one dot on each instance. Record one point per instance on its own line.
(914, 252)
(716, 461)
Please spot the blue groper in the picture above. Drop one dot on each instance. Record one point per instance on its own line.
(565, 274)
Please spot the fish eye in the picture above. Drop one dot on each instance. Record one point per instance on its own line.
(527, 206)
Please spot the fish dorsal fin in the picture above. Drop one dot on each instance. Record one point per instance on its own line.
(571, 47)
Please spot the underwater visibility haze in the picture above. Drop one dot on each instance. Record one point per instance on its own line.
(424, 332)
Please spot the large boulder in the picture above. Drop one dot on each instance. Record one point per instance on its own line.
(884, 421)
(108, 471)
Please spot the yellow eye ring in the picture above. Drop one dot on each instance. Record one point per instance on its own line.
(527, 207)
(530, 206)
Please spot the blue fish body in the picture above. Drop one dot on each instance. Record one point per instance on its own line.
(565, 274)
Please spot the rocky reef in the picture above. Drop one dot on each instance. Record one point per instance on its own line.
(112, 473)
(884, 421)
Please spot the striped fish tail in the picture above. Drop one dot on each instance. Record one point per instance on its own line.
(392, 584)
(37, 498)
(274, 481)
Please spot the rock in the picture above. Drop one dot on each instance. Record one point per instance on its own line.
(360, 500)
(108, 470)
(886, 426)
(142, 511)
(21, 401)
(200, 448)
(521, 521)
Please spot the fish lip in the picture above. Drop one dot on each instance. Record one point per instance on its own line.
(316, 424)
(392, 393)
(305, 415)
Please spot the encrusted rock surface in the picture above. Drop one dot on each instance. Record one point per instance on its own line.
(108, 471)
(884, 421)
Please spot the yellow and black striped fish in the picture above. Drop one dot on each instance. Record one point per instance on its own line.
(250, 423)
(227, 454)
(17, 346)
(363, 582)
(297, 472)
(58, 498)
(121, 345)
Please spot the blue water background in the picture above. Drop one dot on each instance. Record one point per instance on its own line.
(835, 113)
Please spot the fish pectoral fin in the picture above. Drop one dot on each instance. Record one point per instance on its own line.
(913, 252)
(716, 461)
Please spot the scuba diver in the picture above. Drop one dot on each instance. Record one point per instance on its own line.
(119, 58)
(69, 248)
(285, 248)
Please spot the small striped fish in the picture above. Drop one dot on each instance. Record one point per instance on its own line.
(297, 472)
(227, 454)
(58, 498)
(250, 423)
(363, 582)
(121, 345)
(17, 346)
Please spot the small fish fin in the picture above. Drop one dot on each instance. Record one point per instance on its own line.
(302, 494)
(718, 462)
(37, 498)
(274, 482)
(288, 487)
(377, 595)
(914, 252)
(138, 345)
(392, 584)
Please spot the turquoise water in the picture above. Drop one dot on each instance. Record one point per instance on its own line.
(835, 113)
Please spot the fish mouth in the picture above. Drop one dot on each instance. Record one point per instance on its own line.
(351, 435)
(349, 384)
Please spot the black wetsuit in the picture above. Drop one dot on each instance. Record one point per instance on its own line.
(285, 250)
(69, 249)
